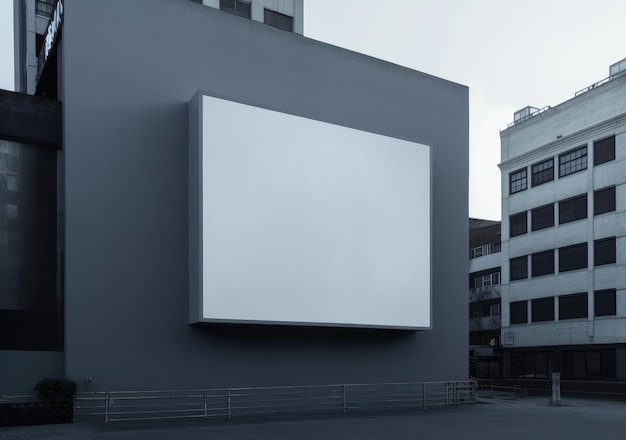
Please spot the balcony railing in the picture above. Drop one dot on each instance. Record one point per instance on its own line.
(491, 248)
(484, 293)
(486, 323)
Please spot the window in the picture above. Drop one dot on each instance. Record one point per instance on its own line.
(573, 257)
(519, 268)
(484, 310)
(604, 150)
(542, 217)
(517, 181)
(278, 20)
(518, 224)
(573, 209)
(604, 200)
(604, 251)
(543, 263)
(519, 312)
(543, 309)
(604, 303)
(236, 7)
(490, 279)
(573, 161)
(543, 172)
(573, 306)
(591, 364)
(45, 7)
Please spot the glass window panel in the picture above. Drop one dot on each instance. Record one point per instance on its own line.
(573, 161)
(604, 200)
(604, 150)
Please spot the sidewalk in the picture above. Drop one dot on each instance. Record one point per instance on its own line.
(524, 418)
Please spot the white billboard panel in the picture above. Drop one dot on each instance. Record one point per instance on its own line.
(309, 223)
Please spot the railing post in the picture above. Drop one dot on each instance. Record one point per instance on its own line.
(106, 407)
(343, 399)
(205, 409)
(229, 410)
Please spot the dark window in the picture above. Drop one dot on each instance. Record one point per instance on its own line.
(604, 303)
(278, 20)
(573, 257)
(542, 217)
(543, 309)
(591, 364)
(543, 172)
(573, 306)
(573, 209)
(519, 268)
(573, 161)
(519, 312)
(45, 7)
(604, 251)
(604, 200)
(604, 150)
(518, 224)
(543, 263)
(236, 7)
(517, 181)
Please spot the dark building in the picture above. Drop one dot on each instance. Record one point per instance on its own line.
(118, 227)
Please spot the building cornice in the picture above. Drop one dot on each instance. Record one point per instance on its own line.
(574, 101)
(570, 141)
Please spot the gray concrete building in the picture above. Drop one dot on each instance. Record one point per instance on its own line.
(563, 246)
(484, 299)
(126, 74)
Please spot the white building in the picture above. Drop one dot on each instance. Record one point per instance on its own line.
(563, 236)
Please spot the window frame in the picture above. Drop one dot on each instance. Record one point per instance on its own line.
(606, 301)
(520, 227)
(604, 251)
(522, 310)
(564, 253)
(543, 175)
(542, 315)
(566, 160)
(273, 18)
(244, 10)
(536, 215)
(600, 198)
(571, 210)
(573, 306)
(604, 153)
(542, 263)
(513, 270)
(523, 180)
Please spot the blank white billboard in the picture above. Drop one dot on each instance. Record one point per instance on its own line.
(309, 223)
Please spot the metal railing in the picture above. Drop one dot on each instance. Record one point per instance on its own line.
(232, 402)
(529, 116)
(491, 248)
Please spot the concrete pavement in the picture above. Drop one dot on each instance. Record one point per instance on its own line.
(497, 418)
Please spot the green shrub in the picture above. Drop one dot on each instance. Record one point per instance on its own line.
(56, 389)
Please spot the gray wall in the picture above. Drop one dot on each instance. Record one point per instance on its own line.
(130, 69)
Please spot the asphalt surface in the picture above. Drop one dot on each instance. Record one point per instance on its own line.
(492, 418)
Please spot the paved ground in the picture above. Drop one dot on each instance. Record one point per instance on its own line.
(502, 419)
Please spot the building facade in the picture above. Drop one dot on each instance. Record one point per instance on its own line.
(563, 237)
(126, 74)
(32, 18)
(484, 299)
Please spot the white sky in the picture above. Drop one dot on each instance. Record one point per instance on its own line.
(510, 53)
